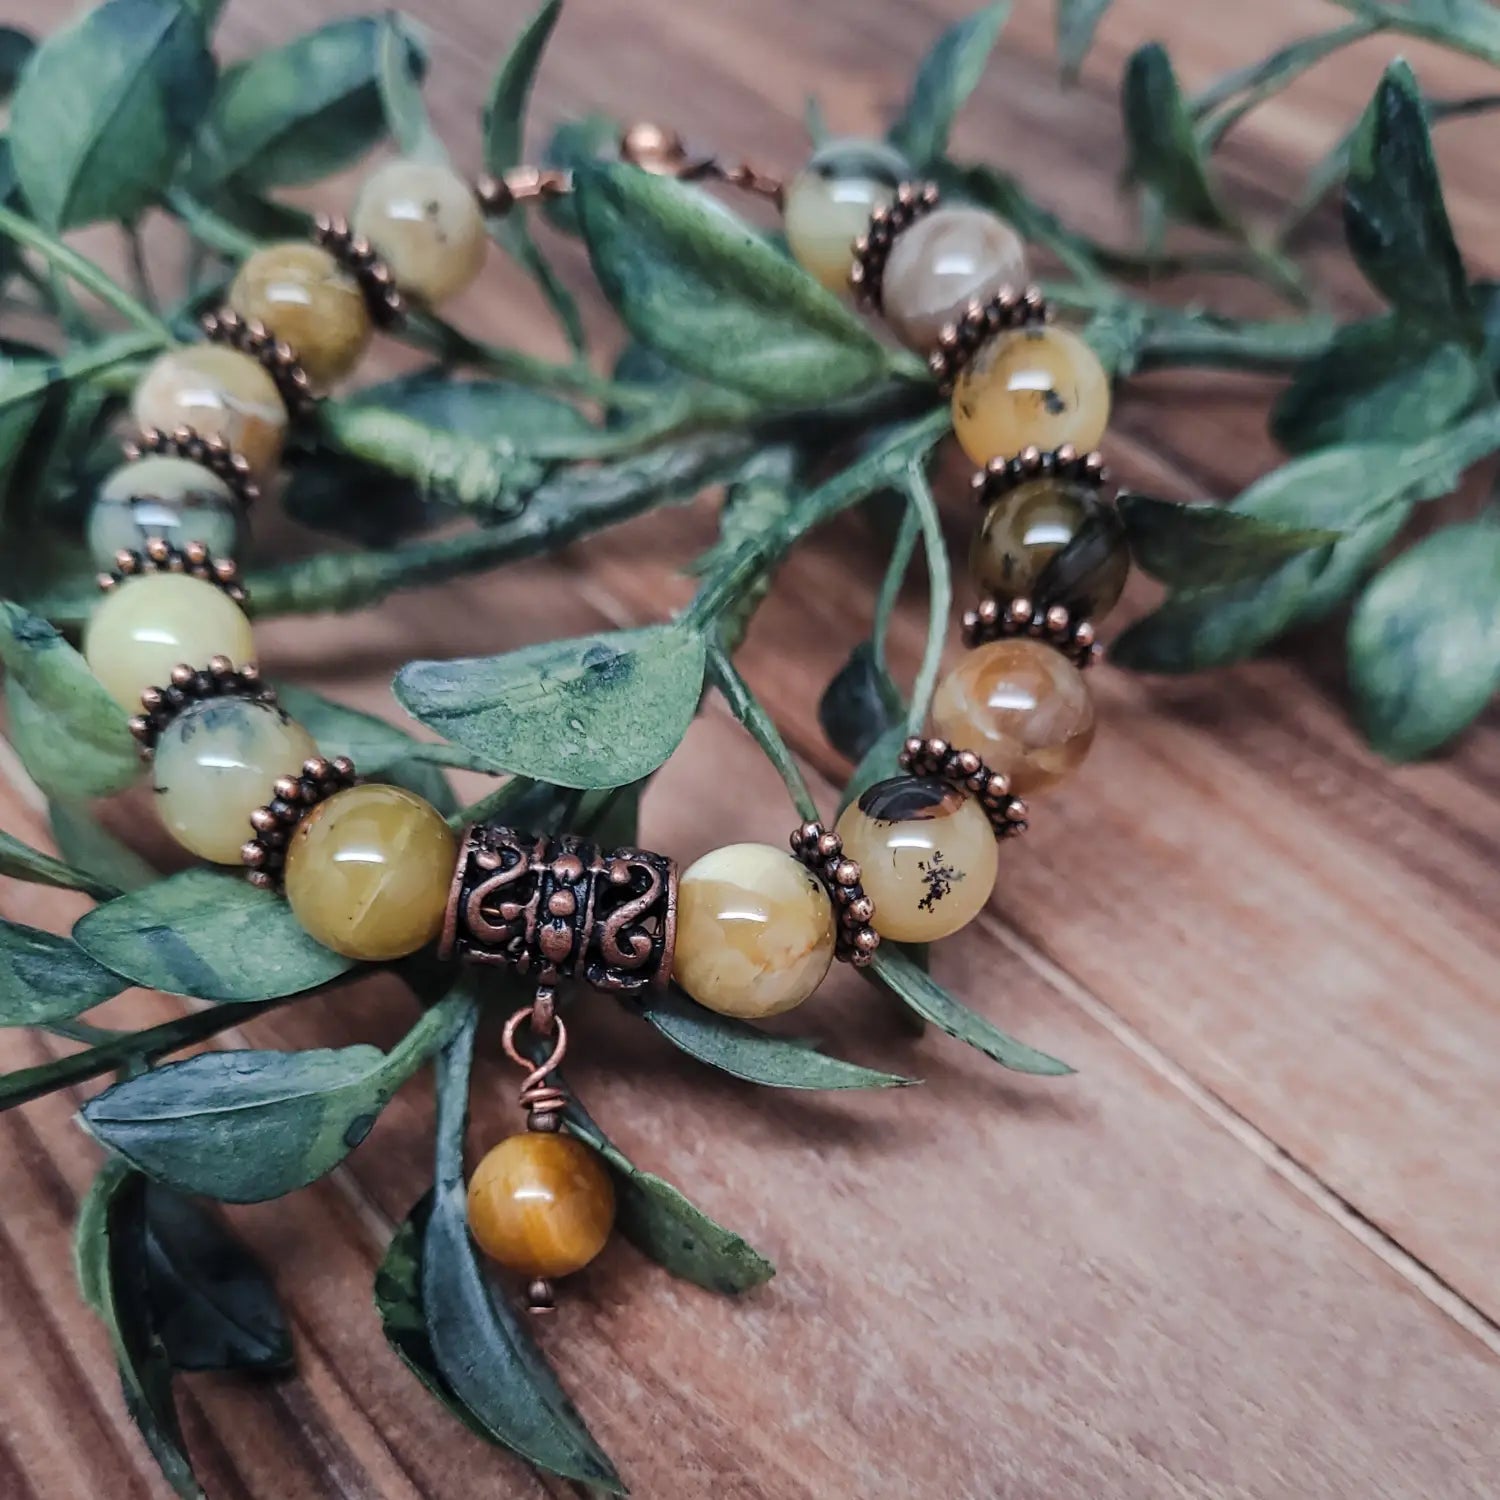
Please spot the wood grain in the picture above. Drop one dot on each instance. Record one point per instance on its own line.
(1250, 1251)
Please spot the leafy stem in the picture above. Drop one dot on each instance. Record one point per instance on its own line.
(939, 592)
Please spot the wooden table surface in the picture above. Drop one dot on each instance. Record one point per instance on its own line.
(1252, 1249)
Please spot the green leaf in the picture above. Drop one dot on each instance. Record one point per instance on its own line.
(1385, 380)
(15, 47)
(109, 866)
(598, 711)
(298, 113)
(535, 422)
(575, 143)
(212, 1303)
(70, 734)
(859, 705)
(105, 109)
(704, 290)
(1164, 152)
(22, 862)
(1394, 218)
(1077, 21)
(946, 78)
(1198, 546)
(110, 1252)
(400, 62)
(1424, 640)
(744, 1051)
(208, 934)
(45, 978)
(482, 1349)
(244, 1126)
(896, 971)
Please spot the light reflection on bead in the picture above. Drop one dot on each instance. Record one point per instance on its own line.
(829, 202)
(166, 497)
(424, 222)
(542, 1204)
(215, 763)
(926, 854)
(755, 931)
(1022, 707)
(146, 626)
(1031, 387)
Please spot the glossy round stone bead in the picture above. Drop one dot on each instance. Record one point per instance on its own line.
(1031, 387)
(220, 393)
(829, 202)
(926, 855)
(1053, 541)
(1022, 707)
(368, 872)
(215, 763)
(163, 497)
(541, 1204)
(755, 931)
(944, 261)
(306, 299)
(146, 626)
(424, 222)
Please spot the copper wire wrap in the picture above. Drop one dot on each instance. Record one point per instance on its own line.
(498, 195)
(279, 359)
(292, 798)
(554, 908)
(821, 851)
(993, 621)
(357, 256)
(913, 201)
(161, 556)
(213, 453)
(663, 153)
(1001, 475)
(543, 1102)
(189, 685)
(959, 342)
(967, 771)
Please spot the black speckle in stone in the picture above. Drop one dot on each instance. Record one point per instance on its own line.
(910, 799)
(1054, 403)
(938, 878)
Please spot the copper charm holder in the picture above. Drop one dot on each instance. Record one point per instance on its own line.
(190, 685)
(357, 256)
(821, 852)
(913, 201)
(959, 342)
(292, 798)
(161, 556)
(556, 908)
(966, 770)
(212, 453)
(279, 359)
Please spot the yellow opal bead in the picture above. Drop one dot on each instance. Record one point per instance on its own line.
(147, 625)
(306, 299)
(541, 1204)
(1030, 387)
(1053, 541)
(926, 855)
(755, 931)
(1022, 707)
(942, 263)
(368, 872)
(829, 202)
(215, 763)
(219, 393)
(164, 497)
(424, 222)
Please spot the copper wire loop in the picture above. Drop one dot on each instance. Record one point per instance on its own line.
(541, 1100)
(498, 195)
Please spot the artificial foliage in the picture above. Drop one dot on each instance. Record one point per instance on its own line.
(739, 374)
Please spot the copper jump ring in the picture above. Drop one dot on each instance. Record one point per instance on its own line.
(543, 1102)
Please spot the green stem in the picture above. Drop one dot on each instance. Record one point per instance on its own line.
(744, 705)
(940, 593)
(437, 1027)
(83, 271)
(209, 228)
(890, 585)
(140, 274)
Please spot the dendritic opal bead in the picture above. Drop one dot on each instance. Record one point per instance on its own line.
(829, 202)
(541, 1204)
(424, 222)
(147, 625)
(943, 262)
(219, 393)
(1030, 387)
(305, 298)
(1053, 541)
(755, 931)
(368, 872)
(215, 763)
(163, 497)
(1022, 707)
(926, 855)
